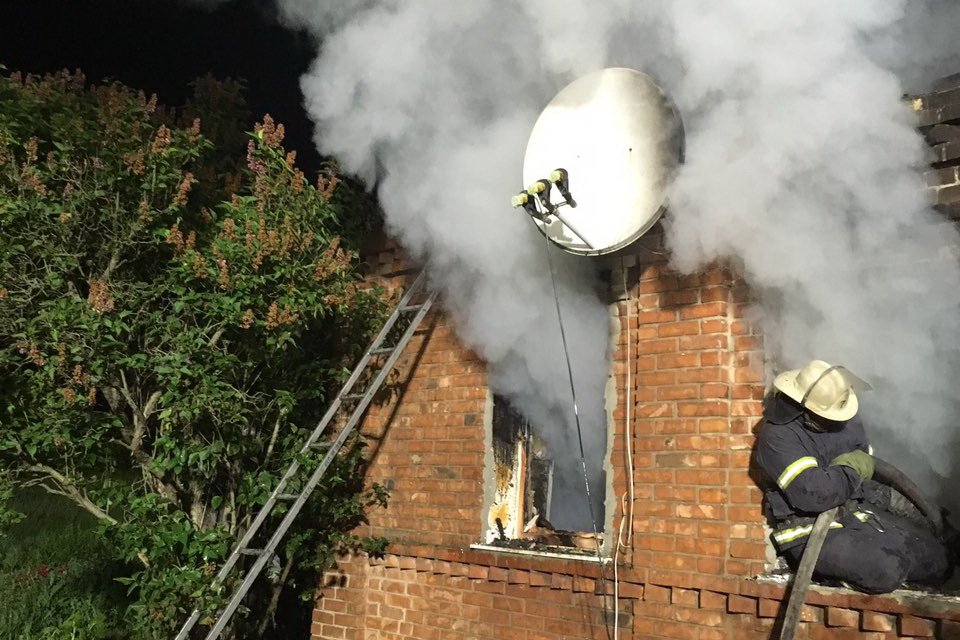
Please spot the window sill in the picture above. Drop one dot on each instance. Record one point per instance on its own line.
(552, 552)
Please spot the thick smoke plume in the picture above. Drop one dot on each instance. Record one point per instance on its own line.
(802, 165)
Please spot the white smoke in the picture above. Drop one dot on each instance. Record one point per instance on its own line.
(802, 163)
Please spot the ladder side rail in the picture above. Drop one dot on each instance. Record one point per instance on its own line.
(365, 401)
(267, 508)
(291, 471)
(237, 551)
(358, 369)
(318, 473)
(187, 627)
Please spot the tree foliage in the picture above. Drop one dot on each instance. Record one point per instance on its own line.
(172, 322)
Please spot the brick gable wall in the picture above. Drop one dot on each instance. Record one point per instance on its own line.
(698, 538)
(698, 541)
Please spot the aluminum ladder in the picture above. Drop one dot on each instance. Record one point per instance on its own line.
(346, 398)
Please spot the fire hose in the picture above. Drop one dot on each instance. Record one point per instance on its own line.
(885, 473)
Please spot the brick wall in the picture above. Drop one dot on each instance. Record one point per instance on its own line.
(697, 537)
(460, 595)
(938, 117)
(697, 386)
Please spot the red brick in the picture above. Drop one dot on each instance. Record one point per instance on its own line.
(645, 317)
(705, 310)
(914, 626)
(740, 604)
(656, 378)
(768, 608)
(663, 629)
(713, 426)
(713, 600)
(702, 374)
(710, 566)
(654, 593)
(678, 360)
(699, 546)
(710, 358)
(516, 576)
(679, 298)
(678, 392)
(811, 614)
(582, 584)
(684, 597)
(673, 329)
(949, 629)
(667, 345)
(713, 529)
(561, 582)
(497, 574)
(838, 617)
(539, 579)
(876, 621)
(699, 616)
(715, 390)
(705, 342)
(750, 550)
(700, 477)
(631, 590)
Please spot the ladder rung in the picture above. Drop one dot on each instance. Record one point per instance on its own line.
(390, 328)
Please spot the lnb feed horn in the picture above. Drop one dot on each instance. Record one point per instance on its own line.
(541, 189)
(523, 199)
(561, 178)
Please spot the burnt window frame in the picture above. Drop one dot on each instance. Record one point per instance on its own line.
(513, 441)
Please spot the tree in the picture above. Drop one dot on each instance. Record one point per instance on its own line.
(172, 323)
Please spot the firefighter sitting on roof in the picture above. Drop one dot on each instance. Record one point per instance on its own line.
(815, 451)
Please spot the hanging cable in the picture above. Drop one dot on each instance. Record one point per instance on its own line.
(625, 507)
(573, 394)
(576, 417)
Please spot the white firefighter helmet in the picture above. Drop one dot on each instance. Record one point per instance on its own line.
(826, 390)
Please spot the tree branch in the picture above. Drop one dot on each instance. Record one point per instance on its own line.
(216, 336)
(68, 489)
(151, 405)
(155, 480)
(113, 264)
(113, 397)
(139, 415)
(273, 441)
(275, 597)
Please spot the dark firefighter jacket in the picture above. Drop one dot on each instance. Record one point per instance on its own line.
(796, 460)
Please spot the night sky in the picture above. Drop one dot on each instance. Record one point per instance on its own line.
(161, 45)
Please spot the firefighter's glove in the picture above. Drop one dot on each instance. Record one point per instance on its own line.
(860, 461)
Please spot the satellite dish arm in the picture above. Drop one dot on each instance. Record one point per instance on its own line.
(540, 191)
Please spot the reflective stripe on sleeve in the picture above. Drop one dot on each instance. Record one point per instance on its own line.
(789, 535)
(794, 469)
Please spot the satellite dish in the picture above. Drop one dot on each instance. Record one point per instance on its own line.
(617, 138)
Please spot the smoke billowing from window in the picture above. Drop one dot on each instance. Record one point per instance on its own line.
(802, 164)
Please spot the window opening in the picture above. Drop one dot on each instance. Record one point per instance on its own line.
(539, 500)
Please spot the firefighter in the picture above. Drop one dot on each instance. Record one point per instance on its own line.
(813, 448)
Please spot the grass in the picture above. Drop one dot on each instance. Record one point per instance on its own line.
(56, 575)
